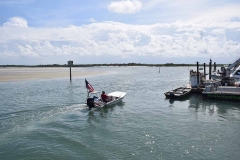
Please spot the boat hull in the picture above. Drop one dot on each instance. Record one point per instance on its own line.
(111, 102)
(116, 96)
(168, 95)
(180, 92)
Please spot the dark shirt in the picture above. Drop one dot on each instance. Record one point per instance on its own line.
(104, 97)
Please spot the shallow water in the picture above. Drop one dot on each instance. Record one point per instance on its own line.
(47, 119)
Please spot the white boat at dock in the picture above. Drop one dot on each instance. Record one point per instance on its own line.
(227, 87)
(227, 76)
(228, 71)
(235, 74)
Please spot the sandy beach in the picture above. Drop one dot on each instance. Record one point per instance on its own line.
(21, 74)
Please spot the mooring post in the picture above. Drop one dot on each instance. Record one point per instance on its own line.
(70, 74)
(204, 67)
(70, 63)
(197, 74)
(210, 69)
(215, 67)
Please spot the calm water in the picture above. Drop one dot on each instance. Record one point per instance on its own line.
(47, 119)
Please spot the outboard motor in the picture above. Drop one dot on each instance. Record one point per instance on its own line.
(90, 103)
(171, 93)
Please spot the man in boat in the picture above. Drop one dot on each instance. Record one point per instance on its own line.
(104, 97)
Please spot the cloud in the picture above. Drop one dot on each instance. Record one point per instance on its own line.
(125, 6)
(16, 22)
(179, 39)
(229, 13)
(92, 20)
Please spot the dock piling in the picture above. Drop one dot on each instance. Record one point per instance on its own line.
(204, 67)
(214, 67)
(210, 69)
(70, 63)
(197, 75)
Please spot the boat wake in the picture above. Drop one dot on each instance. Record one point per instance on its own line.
(12, 121)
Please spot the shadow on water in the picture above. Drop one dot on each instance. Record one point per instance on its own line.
(173, 100)
(196, 101)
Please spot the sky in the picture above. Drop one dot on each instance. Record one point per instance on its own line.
(34, 32)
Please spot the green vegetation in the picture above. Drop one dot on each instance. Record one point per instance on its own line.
(111, 64)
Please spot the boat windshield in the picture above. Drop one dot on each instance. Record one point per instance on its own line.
(94, 94)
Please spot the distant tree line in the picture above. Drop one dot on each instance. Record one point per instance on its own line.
(111, 64)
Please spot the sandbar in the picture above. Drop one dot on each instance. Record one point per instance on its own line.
(21, 74)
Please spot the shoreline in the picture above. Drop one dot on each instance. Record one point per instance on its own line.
(22, 74)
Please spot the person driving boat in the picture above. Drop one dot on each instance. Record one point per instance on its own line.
(104, 97)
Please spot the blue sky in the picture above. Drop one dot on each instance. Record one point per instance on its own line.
(119, 31)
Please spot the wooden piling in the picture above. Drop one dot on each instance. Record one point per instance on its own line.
(70, 63)
(214, 66)
(197, 74)
(210, 69)
(70, 74)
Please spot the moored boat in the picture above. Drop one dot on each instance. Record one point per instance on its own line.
(179, 92)
(228, 71)
(234, 74)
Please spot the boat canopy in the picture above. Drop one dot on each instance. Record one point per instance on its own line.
(94, 92)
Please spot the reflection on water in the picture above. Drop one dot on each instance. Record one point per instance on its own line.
(196, 100)
(221, 108)
(172, 100)
(103, 112)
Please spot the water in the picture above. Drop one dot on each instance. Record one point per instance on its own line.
(47, 119)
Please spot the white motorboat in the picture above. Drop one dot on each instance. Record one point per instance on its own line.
(235, 74)
(94, 99)
(231, 71)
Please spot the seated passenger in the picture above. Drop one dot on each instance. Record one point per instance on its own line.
(104, 97)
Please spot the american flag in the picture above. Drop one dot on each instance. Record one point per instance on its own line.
(89, 87)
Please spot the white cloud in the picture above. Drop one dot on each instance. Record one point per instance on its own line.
(179, 39)
(227, 13)
(16, 22)
(92, 20)
(150, 4)
(125, 6)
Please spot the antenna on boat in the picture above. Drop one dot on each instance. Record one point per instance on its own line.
(88, 93)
